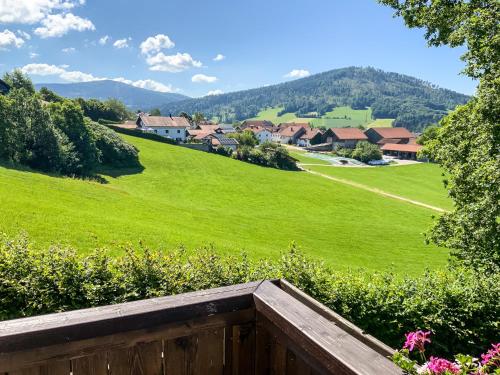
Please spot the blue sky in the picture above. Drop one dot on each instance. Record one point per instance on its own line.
(171, 45)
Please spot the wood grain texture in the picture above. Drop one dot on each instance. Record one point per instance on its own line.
(333, 348)
(96, 364)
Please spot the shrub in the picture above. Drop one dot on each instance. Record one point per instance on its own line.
(366, 152)
(460, 306)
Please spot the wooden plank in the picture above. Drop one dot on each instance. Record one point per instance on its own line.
(52, 329)
(75, 349)
(278, 357)
(96, 364)
(178, 354)
(337, 319)
(244, 349)
(295, 365)
(142, 359)
(210, 352)
(262, 350)
(330, 346)
(53, 368)
(228, 351)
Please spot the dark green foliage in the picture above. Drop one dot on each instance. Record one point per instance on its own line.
(366, 151)
(461, 306)
(224, 151)
(113, 151)
(53, 135)
(17, 80)
(245, 138)
(467, 143)
(267, 154)
(49, 96)
(412, 102)
(109, 110)
(155, 112)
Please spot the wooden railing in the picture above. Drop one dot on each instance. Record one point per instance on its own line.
(256, 328)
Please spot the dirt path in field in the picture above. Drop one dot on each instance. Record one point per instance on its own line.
(373, 190)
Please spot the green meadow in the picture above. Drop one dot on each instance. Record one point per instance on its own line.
(195, 199)
(339, 117)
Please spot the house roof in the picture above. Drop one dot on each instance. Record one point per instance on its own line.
(393, 132)
(165, 122)
(220, 139)
(263, 123)
(209, 127)
(290, 131)
(310, 133)
(299, 124)
(349, 133)
(128, 125)
(257, 129)
(401, 147)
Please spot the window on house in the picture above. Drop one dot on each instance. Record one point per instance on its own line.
(156, 131)
(178, 132)
(166, 131)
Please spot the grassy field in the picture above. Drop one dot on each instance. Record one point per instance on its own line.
(194, 198)
(421, 182)
(340, 117)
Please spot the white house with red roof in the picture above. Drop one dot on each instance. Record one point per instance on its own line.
(170, 127)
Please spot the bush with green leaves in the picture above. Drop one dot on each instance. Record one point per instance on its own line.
(460, 306)
(366, 151)
(267, 154)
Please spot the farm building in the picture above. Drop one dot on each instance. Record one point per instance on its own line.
(288, 134)
(171, 127)
(344, 137)
(4, 88)
(401, 151)
(219, 139)
(310, 137)
(259, 123)
(389, 135)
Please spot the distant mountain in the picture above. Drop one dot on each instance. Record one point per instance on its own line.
(133, 97)
(412, 102)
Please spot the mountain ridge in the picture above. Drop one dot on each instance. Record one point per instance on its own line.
(134, 97)
(414, 103)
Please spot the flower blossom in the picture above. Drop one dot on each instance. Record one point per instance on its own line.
(440, 366)
(417, 340)
(492, 356)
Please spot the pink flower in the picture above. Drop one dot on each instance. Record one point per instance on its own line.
(492, 356)
(417, 340)
(438, 366)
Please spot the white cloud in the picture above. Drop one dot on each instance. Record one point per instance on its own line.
(215, 92)
(33, 55)
(122, 43)
(298, 73)
(9, 39)
(103, 40)
(172, 63)
(69, 50)
(55, 25)
(219, 57)
(32, 11)
(198, 78)
(42, 69)
(156, 44)
(77, 76)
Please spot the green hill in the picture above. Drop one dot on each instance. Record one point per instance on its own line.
(194, 198)
(411, 102)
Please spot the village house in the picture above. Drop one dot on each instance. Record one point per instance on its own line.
(344, 137)
(4, 88)
(258, 123)
(170, 127)
(401, 150)
(288, 134)
(310, 137)
(382, 136)
(219, 139)
(262, 134)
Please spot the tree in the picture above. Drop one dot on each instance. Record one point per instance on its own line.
(17, 80)
(467, 144)
(118, 110)
(155, 112)
(49, 96)
(245, 138)
(198, 117)
(366, 151)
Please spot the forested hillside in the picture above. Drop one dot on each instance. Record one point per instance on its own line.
(412, 102)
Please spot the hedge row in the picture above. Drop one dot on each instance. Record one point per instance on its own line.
(460, 306)
(141, 134)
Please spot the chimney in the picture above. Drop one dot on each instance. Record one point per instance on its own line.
(170, 116)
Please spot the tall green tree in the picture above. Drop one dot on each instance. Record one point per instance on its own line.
(17, 80)
(467, 143)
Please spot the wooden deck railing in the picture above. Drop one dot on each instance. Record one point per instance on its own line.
(255, 328)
